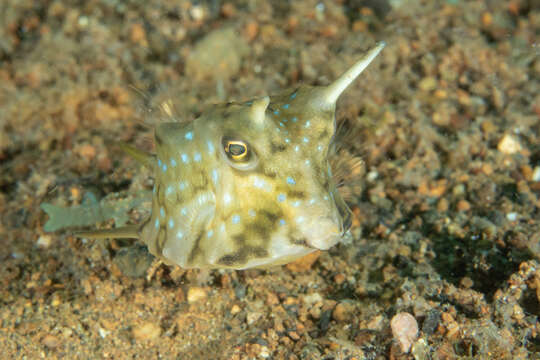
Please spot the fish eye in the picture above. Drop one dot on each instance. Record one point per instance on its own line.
(236, 150)
(239, 153)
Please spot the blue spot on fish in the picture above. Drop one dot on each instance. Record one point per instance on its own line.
(197, 157)
(171, 223)
(162, 212)
(159, 162)
(156, 224)
(291, 181)
(210, 233)
(276, 112)
(294, 119)
(281, 197)
(293, 95)
(287, 140)
(179, 234)
(308, 124)
(164, 168)
(281, 222)
(210, 147)
(182, 185)
(169, 190)
(235, 219)
(305, 139)
(185, 158)
(286, 106)
(189, 135)
(173, 163)
(215, 176)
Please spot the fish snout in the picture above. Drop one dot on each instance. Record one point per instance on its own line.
(324, 233)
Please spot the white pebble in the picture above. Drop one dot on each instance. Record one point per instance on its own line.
(512, 216)
(44, 241)
(196, 294)
(509, 145)
(405, 330)
(536, 174)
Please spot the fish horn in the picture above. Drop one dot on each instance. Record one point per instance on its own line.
(258, 109)
(332, 92)
(125, 232)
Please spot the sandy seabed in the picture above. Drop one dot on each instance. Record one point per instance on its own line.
(447, 221)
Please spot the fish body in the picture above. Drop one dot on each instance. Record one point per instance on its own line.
(247, 184)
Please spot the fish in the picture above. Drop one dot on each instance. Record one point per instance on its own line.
(246, 184)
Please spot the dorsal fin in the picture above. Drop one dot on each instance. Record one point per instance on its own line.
(332, 92)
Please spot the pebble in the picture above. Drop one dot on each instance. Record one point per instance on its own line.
(342, 311)
(405, 330)
(50, 341)
(305, 263)
(511, 216)
(536, 174)
(235, 309)
(44, 241)
(313, 298)
(196, 294)
(509, 145)
(146, 331)
(463, 205)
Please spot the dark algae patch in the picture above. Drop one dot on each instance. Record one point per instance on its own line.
(439, 149)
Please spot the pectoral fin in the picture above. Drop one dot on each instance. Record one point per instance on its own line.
(139, 155)
(125, 232)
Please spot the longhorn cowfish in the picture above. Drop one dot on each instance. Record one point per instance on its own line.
(246, 184)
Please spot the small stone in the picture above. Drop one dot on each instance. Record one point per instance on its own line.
(405, 330)
(196, 294)
(339, 279)
(463, 205)
(50, 341)
(466, 282)
(509, 145)
(305, 263)
(313, 298)
(511, 216)
(342, 312)
(428, 84)
(44, 241)
(235, 309)
(536, 174)
(146, 331)
(253, 316)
